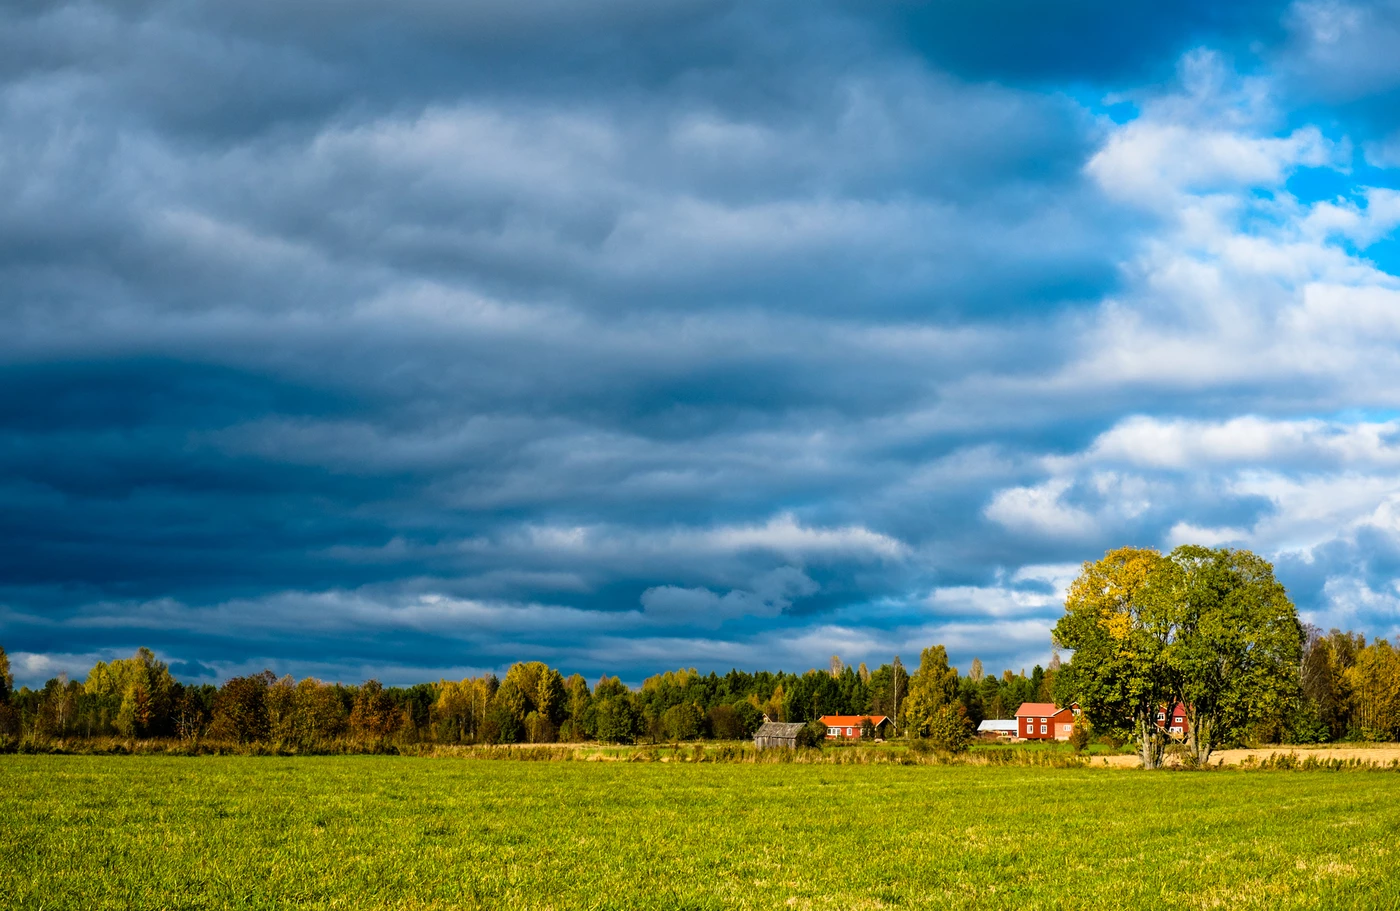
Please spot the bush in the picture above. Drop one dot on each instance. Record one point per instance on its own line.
(949, 730)
(1079, 738)
(813, 734)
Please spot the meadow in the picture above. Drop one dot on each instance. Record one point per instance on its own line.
(409, 833)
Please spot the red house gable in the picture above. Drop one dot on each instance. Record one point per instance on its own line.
(1043, 721)
(849, 725)
(1175, 722)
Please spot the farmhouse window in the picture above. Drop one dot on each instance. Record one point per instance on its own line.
(1042, 729)
(834, 732)
(848, 732)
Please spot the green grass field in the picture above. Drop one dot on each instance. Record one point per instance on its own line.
(389, 832)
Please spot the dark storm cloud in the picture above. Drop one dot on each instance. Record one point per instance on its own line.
(355, 339)
(1095, 41)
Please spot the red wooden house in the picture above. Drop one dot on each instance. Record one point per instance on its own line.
(848, 726)
(1044, 721)
(1174, 722)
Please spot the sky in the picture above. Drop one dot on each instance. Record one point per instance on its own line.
(408, 340)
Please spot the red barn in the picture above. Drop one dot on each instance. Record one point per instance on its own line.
(1044, 721)
(848, 726)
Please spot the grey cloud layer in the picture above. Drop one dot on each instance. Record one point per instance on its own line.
(633, 335)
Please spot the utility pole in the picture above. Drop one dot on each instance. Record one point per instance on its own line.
(894, 672)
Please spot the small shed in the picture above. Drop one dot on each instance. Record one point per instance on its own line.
(1005, 730)
(777, 734)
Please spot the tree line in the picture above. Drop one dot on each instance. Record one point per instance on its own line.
(139, 698)
(1209, 629)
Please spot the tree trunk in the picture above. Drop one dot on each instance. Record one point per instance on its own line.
(1151, 745)
(1207, 740)
(1200, 736)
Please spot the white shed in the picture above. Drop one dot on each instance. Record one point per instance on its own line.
(991, 728)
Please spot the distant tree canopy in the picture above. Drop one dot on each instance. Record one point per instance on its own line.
(138, 698)
(9, 718)
(1211, 629)
(141, 690)
(7, 680)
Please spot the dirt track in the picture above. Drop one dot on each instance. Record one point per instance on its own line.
(1381, 754)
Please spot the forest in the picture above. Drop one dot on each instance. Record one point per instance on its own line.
(1348, 688)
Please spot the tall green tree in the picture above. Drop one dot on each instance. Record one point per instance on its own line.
(617, 719)
(1327, 692)
(535, 688)
(933, 706)
(578, 700)
(1235, 644)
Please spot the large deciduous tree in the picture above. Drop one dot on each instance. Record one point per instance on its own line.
(534, 694)
(1113, 621)
(618, 720)
(374, 715)
(1209, 628)
(1236, 644)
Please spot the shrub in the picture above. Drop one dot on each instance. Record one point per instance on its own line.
(949, 730)
(813, 734)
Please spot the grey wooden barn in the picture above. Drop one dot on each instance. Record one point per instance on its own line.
(777, 734)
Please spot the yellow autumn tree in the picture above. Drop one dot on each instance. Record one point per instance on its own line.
(1112, 623)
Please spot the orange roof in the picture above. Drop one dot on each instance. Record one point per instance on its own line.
(1038, 708)
(851, 721)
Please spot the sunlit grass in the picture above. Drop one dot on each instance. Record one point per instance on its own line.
(392, 832)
